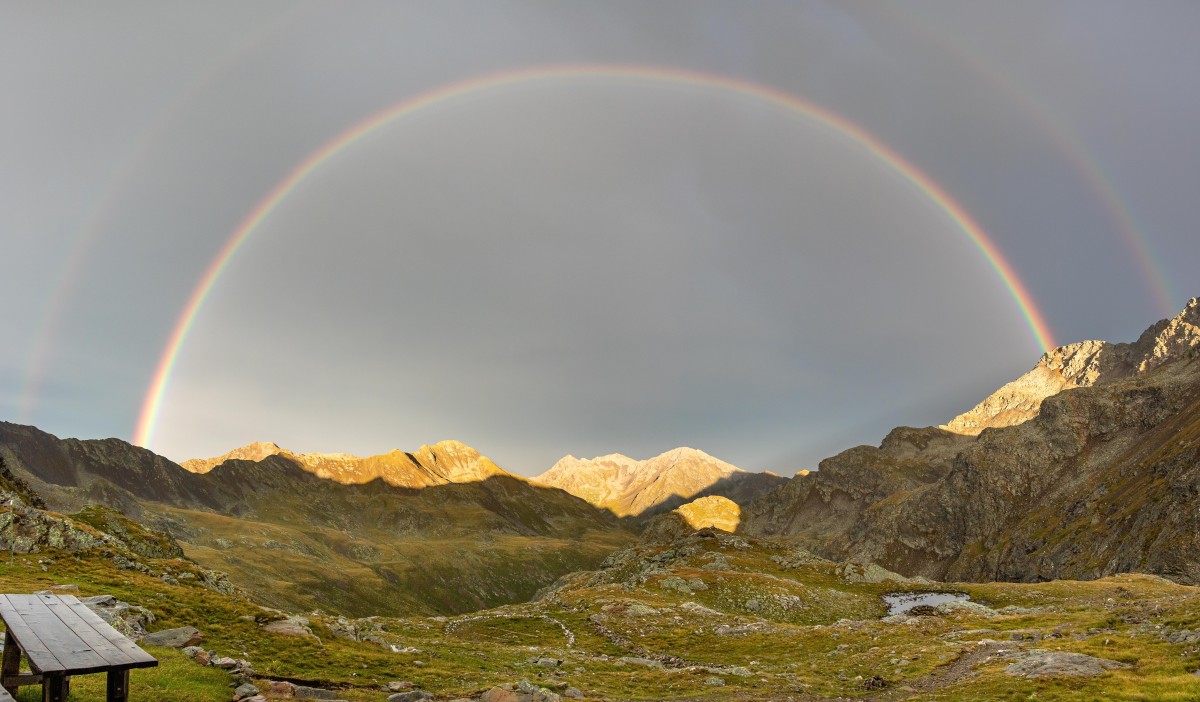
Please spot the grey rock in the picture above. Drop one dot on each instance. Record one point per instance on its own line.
(128, 619)
(1039, 664)
(648, 662)
(244, 691)
(292, 626)
(174, 638)
(410, 696)
(303, 692)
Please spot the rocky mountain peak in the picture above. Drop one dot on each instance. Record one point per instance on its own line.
(1083, 364)
(446, 461)
(630, 487)
(455, 462)
(253, 451)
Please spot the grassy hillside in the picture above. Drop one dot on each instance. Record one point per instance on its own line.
(702, 618)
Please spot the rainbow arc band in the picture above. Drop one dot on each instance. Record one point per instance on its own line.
(152, 403)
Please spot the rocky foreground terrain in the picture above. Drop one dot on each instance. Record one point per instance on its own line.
(710, 615)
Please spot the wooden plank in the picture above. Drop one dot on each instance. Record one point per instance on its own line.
(54, 688)
(113, 655)
(41, 660)
(138, 657)
(11, 661)
(118, 686)
(72, 652)
(12, 682)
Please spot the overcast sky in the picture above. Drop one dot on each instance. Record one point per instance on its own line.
(582, 264)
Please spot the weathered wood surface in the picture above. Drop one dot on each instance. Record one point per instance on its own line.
(61, 637)
(59, 634)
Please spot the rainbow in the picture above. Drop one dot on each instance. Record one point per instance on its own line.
(152, 403)
(1070, 143)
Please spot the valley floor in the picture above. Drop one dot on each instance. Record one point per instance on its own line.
(708, 617)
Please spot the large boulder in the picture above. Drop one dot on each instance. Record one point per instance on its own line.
(174, 638)
(1043, 664)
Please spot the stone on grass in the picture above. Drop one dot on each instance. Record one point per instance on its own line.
(1039, 663)
(174, 638)
(410, 696)
(303, 692)
(292, 626)
(281, 688)
(500, 694)
(244, 691)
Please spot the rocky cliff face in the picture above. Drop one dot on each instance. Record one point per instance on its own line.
(1100, 478)
(1083, 364)
(629, 487)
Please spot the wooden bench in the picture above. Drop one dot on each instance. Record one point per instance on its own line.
(61, 637)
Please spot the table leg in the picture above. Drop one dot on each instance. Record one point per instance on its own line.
(54, 687)
(118, 685)
(12, 661)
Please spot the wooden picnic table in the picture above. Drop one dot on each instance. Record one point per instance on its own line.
(61, 637)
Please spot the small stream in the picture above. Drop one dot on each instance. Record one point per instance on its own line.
(900, 602)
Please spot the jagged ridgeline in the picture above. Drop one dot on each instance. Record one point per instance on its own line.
(440, 530)
(1088, 465)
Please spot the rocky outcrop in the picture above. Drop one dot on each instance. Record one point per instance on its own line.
(1039, 663)
(173, 638)
(630, 487)
(712, 512)
(130, 620)
(25, 529)
(1083, 364)
(1104, 479)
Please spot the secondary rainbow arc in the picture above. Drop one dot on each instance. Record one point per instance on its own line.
(1039, 329)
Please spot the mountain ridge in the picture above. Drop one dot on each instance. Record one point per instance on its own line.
(1082, 364)
(1097, 479)
(447, 461)
(629, 487)
(301, 541)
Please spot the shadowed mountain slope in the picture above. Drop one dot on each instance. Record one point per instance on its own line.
(1102, 478)
(301, 541)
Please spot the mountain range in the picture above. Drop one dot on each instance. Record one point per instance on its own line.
(1087, 465)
